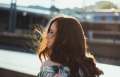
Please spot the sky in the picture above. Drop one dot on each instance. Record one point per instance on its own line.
(59, 3)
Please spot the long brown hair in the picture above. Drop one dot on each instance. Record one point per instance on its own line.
(70, 47)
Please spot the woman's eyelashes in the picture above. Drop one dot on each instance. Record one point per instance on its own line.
(51, 33)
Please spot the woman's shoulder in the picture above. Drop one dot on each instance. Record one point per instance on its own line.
(51, 69)
(50, 65)
(55, 69)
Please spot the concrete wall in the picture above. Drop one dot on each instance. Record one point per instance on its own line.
(9, 73)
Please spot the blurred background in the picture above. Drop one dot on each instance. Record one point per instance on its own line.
(18, 19)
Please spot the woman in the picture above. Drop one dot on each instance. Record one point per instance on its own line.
(65, 52)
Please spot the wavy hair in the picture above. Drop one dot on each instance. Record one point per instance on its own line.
(70, 47)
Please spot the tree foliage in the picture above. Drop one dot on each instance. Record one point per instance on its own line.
(105, 5)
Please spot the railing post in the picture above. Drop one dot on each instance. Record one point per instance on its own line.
(12, 17)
